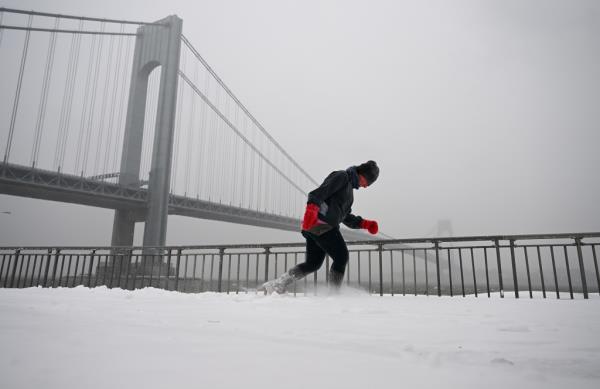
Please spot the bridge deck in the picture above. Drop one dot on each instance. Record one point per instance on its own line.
(24, 181)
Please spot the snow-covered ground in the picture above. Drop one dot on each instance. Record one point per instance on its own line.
(99, 338)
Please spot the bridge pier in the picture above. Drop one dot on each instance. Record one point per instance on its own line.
(156, 45)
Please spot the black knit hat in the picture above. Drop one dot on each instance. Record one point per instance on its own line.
(368, 170)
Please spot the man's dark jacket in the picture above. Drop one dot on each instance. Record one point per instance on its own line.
(334, 198)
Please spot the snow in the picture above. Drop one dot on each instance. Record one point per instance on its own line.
(150, 338)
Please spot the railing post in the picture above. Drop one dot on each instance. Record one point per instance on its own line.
(380, 250)
(581, 268)
(221, 254)
(4, 262)
(528, 272)
(514, 267)
(596, 268)
(92, 255)
(128, 269)
(267, 252)
(437, 267)
(501, 284)
(47, 269)
(14, 272)
(56, 255)
(168, 270)
(177, 269)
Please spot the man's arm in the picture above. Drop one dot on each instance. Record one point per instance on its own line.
(357, 222)
(352, 221)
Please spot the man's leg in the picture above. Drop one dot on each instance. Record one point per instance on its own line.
(313, 261)
(315, 256)
(332, 242)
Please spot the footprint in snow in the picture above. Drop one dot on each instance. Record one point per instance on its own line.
(502, 361)
(514, 329)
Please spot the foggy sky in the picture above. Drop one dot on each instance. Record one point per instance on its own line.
(484, 113)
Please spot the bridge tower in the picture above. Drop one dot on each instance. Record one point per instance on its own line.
(156, 45)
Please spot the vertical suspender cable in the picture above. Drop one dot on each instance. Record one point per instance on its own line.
(289, 192)
(201, 141)
(282, 186)
(122, 103)
(39, 127)
(251, 173)
(244, 167)
(178, 124)
(225, 156)
(190, 134)
(286, 193)
(280, 199)
(67, 119)
(213, 144)
(219, 179)
(86, 91)
(292, 192)
(279, 186)
(222, 161)
(260, 177)
(275, 200)
(101, 135)
(113, 103)
(204, 145)
(235, 156)
(15, 109)
(269, 195)
(267, 198)
(92, 112)
(70, 77)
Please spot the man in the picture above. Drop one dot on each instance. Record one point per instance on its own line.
(328, 206)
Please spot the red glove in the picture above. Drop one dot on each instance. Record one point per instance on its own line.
(311, 216)
(370, 225)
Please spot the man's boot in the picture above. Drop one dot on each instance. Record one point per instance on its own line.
(335, 279)
(280, 284)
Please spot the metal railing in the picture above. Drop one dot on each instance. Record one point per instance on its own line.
(548, 265)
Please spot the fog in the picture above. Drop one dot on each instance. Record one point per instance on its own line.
(482, 115)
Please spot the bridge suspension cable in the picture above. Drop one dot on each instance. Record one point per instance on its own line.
(95, 99)
(17, 98)
(44, 95)
(254, 120)
(234, 128)
(64, 16)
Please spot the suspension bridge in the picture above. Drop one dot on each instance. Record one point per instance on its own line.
(127, 115)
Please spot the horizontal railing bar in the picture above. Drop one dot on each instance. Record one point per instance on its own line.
(62, 16)
(374, 243)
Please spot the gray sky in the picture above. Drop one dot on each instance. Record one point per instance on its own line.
(485, 113)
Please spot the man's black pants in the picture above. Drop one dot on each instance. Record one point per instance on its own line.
(317, 246)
